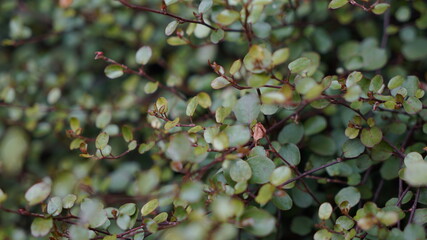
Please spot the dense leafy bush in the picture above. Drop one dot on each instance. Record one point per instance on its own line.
(234, 119)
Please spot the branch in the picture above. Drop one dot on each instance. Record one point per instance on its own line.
(414, 206)
(180, 19)
(399, 200)
(295, 169)
(312, 171)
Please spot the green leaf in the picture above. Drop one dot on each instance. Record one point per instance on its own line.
(149, 207)
(348, 194)
(217, 36)
(380, 8)
(191, 191)
(103, 119)
(283, 201)
(191, 107)
(235, 67)
(195, 129)
(353, 78)
(170, 2)
(314, 125)
(113, 71)
(53, 95)
(420, 216)
(78, 232)
(102, 140)
(128, 209)
(238, 135)
(131, 146)
(395, 82)
(219, 83)
(68, 201)
(221, 113)
(162, 105)
(414, 173)
(415, 50)
(301, 225)
(171, 27)
(290, 152)
(322, 234)
(413, 157)
(38, 192)
(151, 87)
(371, 136)
(322, 145)
(351, 133)
(40, 227)
(54, 206)
(205, 5)
(280, 175)
(291, 133)
(412, 105)
(353, 93)
(373, 57)
(247, 108)
(176, 41)
(258, 80)
(221, 142)
(127, 133)
(123, 222)
(223, 208)
(265, 193)
(204, 100)
(390, 168)
(262, 168)
(325, 211)
(280, 56)
(3, 196)
(92, 212)
(381, 151)
(74, 124)
(180, 148)
(414, 231)
(143, 148)
(344, 222)
(305, 85)
(258, 59)
(161, 217)
(353, 148)
(227, 17)
(240, 171)
(334, 4)
(377, 84)
(201, 31)
(261, 223)
(111, 237)
(143, 55)
(299, 65)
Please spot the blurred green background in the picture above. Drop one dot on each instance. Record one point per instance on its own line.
(48, 74)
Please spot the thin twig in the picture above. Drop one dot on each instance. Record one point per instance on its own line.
(339, 160)
(399, 200)
(414, 206)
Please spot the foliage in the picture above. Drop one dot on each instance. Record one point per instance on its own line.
(236, 119)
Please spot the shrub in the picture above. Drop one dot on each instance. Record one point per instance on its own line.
(232, 119)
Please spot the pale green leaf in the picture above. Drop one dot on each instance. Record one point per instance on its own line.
(113, 71)
(40, 227)
(143, 55)
(334, 4)
(102, 140)
(38, 192)
(149, 207)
